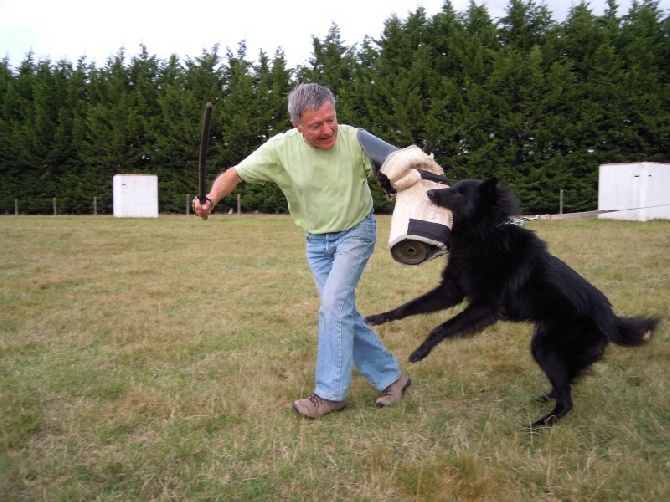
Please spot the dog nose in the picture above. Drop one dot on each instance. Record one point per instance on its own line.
(432, 194)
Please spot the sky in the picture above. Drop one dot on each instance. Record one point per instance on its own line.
(70, 29)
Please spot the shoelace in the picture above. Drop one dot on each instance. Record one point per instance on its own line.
(315, 400)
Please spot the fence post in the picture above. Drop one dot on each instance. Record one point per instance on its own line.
(188, 206)
(54, 204)
(239, 204)
(16, 207)
(95, 205)
(560, 207)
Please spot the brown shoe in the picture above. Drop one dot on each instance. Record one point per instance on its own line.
(394, 392)
(315, 407)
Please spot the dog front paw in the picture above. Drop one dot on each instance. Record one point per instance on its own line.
(377, 319)
(418, 355)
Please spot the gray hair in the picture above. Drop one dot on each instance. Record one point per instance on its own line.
(306, 97)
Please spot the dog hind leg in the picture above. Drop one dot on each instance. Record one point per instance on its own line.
(564, 351)
(549, 396)
(562, 407)
(561, 382)
(557, 370)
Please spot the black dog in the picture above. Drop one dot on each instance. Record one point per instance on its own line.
(506, 273)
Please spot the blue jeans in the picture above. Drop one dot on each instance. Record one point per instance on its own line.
(337, 261)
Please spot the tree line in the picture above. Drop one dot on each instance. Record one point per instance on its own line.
(537, 103)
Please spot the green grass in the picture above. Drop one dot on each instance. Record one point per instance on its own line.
(156, 359)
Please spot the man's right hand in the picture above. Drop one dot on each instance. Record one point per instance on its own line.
(202, 210)
(223, 186)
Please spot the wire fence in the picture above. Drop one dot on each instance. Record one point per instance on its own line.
(96, 206)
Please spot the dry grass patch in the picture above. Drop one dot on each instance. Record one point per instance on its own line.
(157, 359)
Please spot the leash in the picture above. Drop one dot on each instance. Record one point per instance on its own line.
(519, 222)
(586, 214)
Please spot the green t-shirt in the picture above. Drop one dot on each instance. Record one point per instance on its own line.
(326, 189)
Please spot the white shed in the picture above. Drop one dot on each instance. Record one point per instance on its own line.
(637, 191)
(135, 195)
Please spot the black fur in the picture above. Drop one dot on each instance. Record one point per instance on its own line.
(506, 273)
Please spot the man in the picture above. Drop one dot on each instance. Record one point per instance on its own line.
(322, 170)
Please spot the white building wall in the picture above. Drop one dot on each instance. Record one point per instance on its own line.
(635, 191)
(135, 195)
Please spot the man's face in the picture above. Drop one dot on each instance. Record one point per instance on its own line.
(319, 127)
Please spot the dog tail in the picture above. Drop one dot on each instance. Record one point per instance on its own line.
(634, 331)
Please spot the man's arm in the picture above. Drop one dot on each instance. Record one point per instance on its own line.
(223, 186)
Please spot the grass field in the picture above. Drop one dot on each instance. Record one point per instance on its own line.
(156, 359)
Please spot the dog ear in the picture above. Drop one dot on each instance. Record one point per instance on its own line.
(489, 186)
(505, 202)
